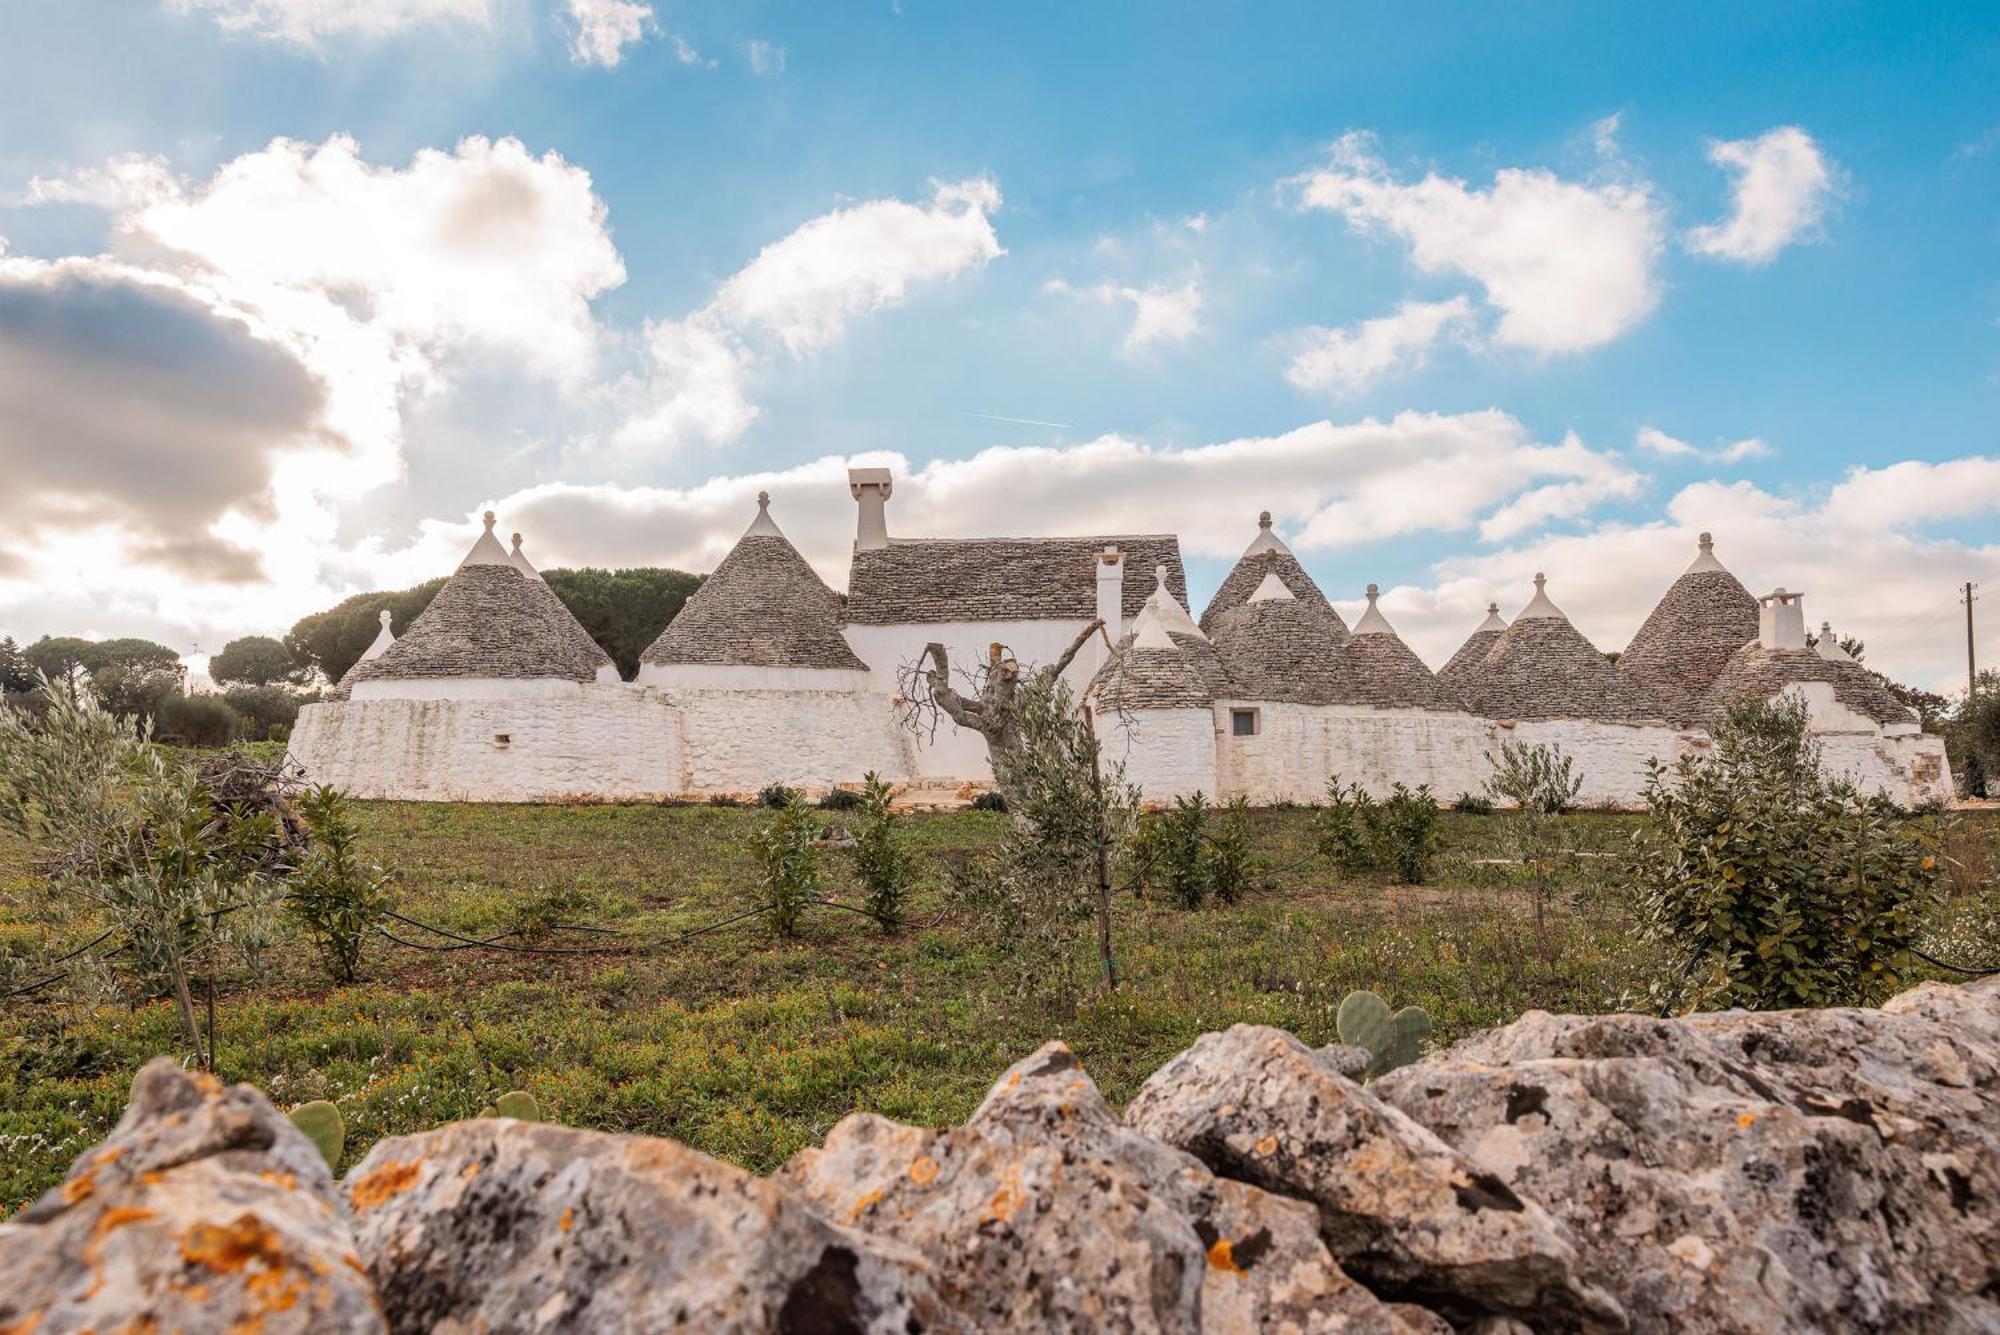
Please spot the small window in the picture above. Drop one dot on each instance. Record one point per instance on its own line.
(501, 739)
(1243, 722)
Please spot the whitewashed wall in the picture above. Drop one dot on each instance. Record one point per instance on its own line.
(1169, 753)
(598, 741)
(1610, 758)
(1299, 748)
(738, 741)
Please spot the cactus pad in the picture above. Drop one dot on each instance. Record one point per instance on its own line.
(518, 1104)
(322, 1124)
(1392, 1040)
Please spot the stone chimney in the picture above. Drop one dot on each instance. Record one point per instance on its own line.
(1781, 619)
(1111, 591)
(870, 488)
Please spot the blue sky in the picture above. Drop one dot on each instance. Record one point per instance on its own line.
(1473, 291)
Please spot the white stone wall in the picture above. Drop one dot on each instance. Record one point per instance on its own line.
(1610, 758)
(1299, 748)
(738, 741)
(1169, 753)
(595, 741)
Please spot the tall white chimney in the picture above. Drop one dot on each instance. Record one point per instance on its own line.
(1110, 596)
(1781, 619)
(870, 488)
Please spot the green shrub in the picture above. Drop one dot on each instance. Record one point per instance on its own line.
(790, 859)
(1537, 778)
(1359, 834)
(884, 866)
(1345, 828)
(841, 799)
(1409, 833)
(777, 797)
(1470, 804)
(991, 800)
(1232, 867)
(1772, 885)
(268, 712)
(196, 720)
(333, 896)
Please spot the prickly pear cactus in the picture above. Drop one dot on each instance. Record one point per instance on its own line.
(322, 1123)
(518, 1104)
(1392, 1040)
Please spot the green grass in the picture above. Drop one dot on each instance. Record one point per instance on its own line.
(748, 1047)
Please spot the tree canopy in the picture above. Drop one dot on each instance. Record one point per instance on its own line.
(624, 611)
(258, 660)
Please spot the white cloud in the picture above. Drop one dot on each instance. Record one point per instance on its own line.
(685, 53)
(766, 60)
(1160, 314)
(1782, 188)
(1345, 361)
(604, 28)
(125, 182)
(1657, 442)
(1862, 553)
(802, 290)
(306, 21)
(1569, 265)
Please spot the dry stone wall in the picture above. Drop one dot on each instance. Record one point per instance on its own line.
(1833, 1170)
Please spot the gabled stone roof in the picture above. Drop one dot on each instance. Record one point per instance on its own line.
(1385, 672)
(1463, 665)
(1704, 618)
(1758, 671)
(489, 620)
(927, 580)
(763, 607)
(1267, 555)
(1542, 667)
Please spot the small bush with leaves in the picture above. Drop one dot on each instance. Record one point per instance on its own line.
(333, 896)
(790, 859)
(1538, 778)
(196, 720)
(991, 800)
(1471, 804)
(777, 796)
(841, 799)
(1774, 885)
(1232, 867)
(881, 862)
(1345, 828)
(1409, 832)
(1359, 834)
(1194, 851)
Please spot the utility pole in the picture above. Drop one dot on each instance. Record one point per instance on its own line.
(1971, 668)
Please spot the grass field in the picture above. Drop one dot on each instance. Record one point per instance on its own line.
(749, 1047)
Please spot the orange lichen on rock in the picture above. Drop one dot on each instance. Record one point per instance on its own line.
(866, 1202)
(924, 1170)
(391, 1179)
(79, 1187)
(229, 1248)
(568, 1219)
(1009, 1198)
(1222, 1256)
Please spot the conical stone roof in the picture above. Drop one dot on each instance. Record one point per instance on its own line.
(763, 607)
(1705, 617)
(1274, 645)
(1542, 667)
(1385, 672)
(1163, 661)
(1464, 664)
(488, 621)
(1757, 671)
(1265, 558)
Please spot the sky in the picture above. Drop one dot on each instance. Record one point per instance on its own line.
(292, 290)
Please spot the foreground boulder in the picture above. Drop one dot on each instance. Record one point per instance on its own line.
(496, 1225)
(1823, 1170)
(1042, 1212)
(205, 1210)
(1403, 1211)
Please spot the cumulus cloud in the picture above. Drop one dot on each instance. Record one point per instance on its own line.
(1345, 361)
(1657, 442)
(604, 28)
(1864, 552)
(1332, 486)
(804, 289)
(1569, 265)
(306, 21)
(1160, 314)
(766, 60)
(125, 182)
(1783, 184)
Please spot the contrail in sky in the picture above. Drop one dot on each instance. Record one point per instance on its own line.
(1024, 421)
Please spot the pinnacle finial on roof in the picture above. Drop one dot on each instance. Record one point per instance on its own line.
(486, 549)
(1266, 540)
(1540, 605)
(763, 526)
(517, 544)
(383, 639)
(1264, 519)
(1372, 621)
(1159, 577)
(1493, 621)
(1706, 561)
(1493, 609)
(384, 618)
(490, 517)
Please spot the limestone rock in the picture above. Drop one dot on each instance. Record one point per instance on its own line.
(1043, 1212)
(496, 1225)
(1347, 1059)
(204, 1211)
(1828, 1170)
(1397, 1207)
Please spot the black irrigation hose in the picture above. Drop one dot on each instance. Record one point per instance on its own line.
(495, 945)
(1955, 968)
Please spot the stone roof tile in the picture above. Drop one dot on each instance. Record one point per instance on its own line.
(928, 580)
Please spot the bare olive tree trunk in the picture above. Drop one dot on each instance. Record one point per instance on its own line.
(994, 711)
